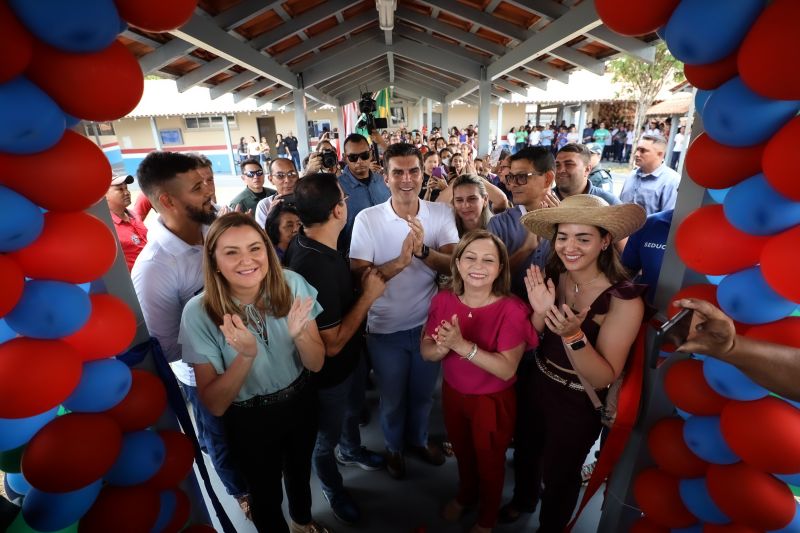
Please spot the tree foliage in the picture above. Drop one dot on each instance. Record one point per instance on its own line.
(643, 81)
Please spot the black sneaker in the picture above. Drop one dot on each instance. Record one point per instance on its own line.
(344, 508)
(362, 458)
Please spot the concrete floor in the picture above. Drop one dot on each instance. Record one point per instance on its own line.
(408, 506)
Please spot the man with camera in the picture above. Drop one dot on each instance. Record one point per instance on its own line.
(283, 175)
(324, 159)
(361, 183)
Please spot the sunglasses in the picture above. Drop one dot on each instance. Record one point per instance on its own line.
(254, 173)
(284, 175)
(355, 157)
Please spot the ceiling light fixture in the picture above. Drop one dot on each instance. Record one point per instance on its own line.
(386, 9)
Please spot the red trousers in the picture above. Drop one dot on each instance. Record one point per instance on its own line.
(480, 427)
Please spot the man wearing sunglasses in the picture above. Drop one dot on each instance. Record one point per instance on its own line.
(283, 175)
(360, 183)
(253, 178)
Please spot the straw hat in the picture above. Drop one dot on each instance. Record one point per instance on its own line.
(619, 220)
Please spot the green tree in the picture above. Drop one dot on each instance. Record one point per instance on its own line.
(643, 81)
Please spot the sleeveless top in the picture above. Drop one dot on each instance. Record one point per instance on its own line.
(551, 345)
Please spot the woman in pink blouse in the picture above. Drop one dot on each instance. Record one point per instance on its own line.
(479, 330)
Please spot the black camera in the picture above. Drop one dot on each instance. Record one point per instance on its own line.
(368, 106)
(329, 159)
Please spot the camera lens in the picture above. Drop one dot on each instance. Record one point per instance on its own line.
(329, 159)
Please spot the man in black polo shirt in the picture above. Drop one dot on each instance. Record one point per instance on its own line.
(291, 145)
(322, 206)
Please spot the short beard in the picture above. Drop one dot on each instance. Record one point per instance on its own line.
(200, 216)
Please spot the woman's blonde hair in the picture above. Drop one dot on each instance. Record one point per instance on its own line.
(486, 213)
(274, 296)
(502, 285)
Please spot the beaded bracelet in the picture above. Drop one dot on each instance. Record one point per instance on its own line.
(471, 353)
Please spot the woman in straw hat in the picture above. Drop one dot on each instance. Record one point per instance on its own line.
(587, 313)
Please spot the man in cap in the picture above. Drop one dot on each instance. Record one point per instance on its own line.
(599, 176)
(131, 232)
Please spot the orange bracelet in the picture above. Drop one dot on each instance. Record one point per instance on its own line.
(573, 338)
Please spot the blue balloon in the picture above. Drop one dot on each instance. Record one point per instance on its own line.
(683, 414)
(747, 297)
(49, 511)
(791, 479)
(168, 505)
(696, 498)
(141, 456)
(14, 432)
(50, 310)
(706, 31)
(731, 382)
(18, 483)
(21, 221)
(718, 195)
(32, 121)
(703, 436)
(793, 526)
(103, 385)
(754, 207)
(736, 116)
(71, 121)
(701, 99)
(6, 333)
(715, 280)
(85, 26)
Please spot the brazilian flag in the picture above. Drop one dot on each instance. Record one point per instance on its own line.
(382, 99)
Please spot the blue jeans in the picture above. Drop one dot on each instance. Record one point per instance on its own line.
(406, 383)
(296, 159)
(211, 434)
(339, 409)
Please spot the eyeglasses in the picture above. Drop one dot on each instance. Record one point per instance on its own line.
(355, 157)
(521, 178)
(254, 173)
(284, 175)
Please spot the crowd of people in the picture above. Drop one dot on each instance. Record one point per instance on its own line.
(518, 279)
(261, 151)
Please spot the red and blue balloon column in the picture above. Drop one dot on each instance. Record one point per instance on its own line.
(731, 461)
(76, 424)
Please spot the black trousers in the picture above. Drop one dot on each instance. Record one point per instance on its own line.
(560, 429)
(273, 443)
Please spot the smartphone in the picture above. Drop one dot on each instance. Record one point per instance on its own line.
(437, 172)
(675, 330)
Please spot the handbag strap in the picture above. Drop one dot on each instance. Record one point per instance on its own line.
(586, 385)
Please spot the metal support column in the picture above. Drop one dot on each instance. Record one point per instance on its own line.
(498, 135)
(485, 97)
(154, 130)
(229, 144)
(582, 120)
(445, 116)
(300, 119)
(429, 122)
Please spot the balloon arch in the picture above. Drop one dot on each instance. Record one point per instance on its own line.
(79, 422)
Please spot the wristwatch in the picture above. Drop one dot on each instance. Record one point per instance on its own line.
(576, 342)
(424, 253)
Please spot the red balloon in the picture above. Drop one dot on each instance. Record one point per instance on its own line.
(143, 405)
(711, 75)
(71, 451)
(779, 258)
(154, 15)
(617, 15)
(178, 460)
(686, 386)
(73, 247)
(765, 433)
(104, 85)
(785, 331)
(750, 497)
(659, 498)
(774, 160)
(728, 528)
(36, 375)
(41, 177)
(668, 449)
(109, 331)
(122, 510)
(12, 279)
(643, 525)
(729, 251)
(13, 36)
(181, 514)
(717, 166)
(768, 47)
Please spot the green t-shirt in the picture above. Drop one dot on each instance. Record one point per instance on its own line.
(522, 136)
(600, 136)
(277, 364)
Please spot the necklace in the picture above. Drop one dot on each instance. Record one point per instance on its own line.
(578, 285)
(257, 322)
(485, 301)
